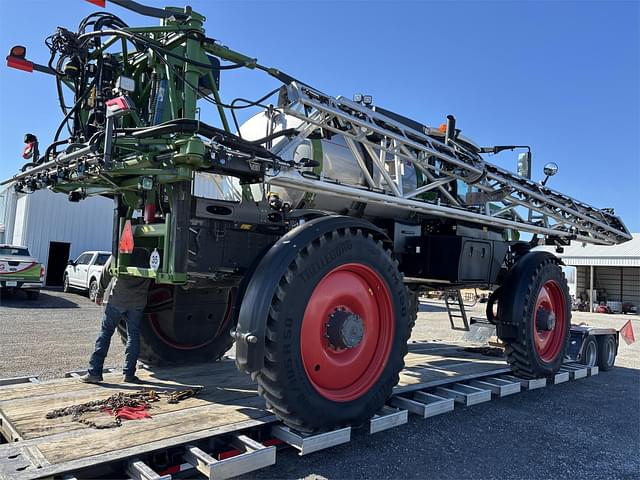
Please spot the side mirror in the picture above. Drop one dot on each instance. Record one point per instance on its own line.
(524, 165)
(550, 169)
(71, 263)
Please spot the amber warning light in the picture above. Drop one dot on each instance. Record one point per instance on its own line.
(16, 59)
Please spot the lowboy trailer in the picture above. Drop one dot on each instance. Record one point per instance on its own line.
(226, 429)
(328, 217)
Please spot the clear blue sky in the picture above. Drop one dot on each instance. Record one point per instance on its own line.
(561, 76)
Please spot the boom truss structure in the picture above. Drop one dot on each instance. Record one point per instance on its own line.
(495, 197)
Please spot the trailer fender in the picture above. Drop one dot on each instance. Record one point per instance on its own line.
(252, 316)
(511, 294)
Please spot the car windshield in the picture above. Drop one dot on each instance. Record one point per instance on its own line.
(102, 259)
(16, 251)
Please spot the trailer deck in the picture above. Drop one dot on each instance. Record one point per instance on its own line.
(227, 416)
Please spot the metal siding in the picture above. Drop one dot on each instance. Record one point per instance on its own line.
(50, 217)
(626, 254)
(19, 221)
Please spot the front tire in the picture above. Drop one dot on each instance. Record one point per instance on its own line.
(535, 303)
(337, 333)
(93, 290)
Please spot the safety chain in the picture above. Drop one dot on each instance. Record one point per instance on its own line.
(118, 401)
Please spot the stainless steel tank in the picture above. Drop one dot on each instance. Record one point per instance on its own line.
(337, 163)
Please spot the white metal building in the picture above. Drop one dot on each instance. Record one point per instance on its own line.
(54, 229)
(606, 274)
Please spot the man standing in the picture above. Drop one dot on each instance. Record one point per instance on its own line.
(125, 298)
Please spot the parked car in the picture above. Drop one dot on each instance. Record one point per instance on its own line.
(84, 272)
(20, 271)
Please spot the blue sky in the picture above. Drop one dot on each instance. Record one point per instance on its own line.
(561, 76)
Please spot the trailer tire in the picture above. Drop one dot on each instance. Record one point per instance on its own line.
(315, 375)
(534, 301)
(589, 355)
(159, 348)
(607, 350)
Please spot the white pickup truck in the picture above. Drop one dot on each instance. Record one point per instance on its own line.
(84, 272)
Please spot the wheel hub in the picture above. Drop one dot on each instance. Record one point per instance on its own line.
(344, 329)
(545, 320)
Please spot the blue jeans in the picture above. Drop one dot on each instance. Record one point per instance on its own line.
(110, 320)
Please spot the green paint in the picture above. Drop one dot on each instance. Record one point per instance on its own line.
(316, 150)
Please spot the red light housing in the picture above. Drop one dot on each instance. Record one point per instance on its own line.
(28, 150)
(18, 51)
(42, 273)
(126, 239)
(99, 3)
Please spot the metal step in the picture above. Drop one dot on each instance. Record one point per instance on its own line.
(254, 457)
(575, 370)
(309, 443)
(464, 394)
(527, 384)
(386, 418)
(498, 386)
(559, 377)
(138, 470)
(456, 309)
(424, 404)
(15, 380)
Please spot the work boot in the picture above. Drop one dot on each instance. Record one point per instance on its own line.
(131, 379)
(88, 378)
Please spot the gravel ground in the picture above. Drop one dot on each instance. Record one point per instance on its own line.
(584, 429)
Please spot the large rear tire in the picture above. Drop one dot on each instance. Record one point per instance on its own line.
(337, 333)
(534, 302)
(182, 327)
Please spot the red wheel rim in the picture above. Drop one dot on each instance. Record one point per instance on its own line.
(550, 342)
(161, 296)
(344, 374)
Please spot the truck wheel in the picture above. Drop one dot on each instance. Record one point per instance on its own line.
(65, 284)
(590, 355)
(534, 302)
(607, 350)
(93, 290)
(337, 333)
(193, 329)
(33, 295)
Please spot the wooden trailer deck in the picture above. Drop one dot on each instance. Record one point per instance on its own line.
(228, 404)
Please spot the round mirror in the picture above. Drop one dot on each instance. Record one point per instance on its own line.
(550, 169)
